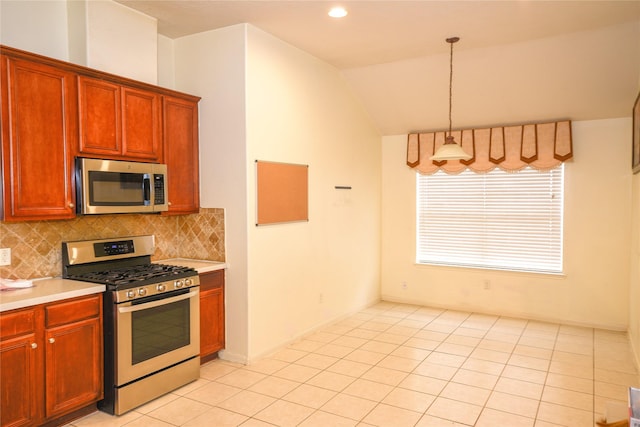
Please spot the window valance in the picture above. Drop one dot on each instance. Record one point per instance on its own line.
(511, 148)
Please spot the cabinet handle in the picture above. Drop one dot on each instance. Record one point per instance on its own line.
(52, 340)
(34, 345)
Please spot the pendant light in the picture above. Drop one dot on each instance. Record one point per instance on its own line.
(450, 150)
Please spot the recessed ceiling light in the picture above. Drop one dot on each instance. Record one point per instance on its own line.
(338, 12)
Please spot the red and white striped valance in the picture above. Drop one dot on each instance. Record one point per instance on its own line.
(511, 148)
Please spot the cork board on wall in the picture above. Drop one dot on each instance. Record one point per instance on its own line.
(282, 190)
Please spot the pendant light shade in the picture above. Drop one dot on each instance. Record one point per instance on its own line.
(450, 150)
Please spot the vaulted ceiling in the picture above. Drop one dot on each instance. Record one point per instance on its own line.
(517, 61)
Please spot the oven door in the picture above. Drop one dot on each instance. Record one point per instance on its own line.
(154, 334)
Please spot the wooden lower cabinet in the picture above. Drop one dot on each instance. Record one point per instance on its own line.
(73, 354)
(212, 330)
(50, 361)
(20, 369)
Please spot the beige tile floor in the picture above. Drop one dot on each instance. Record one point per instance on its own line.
(404, 365)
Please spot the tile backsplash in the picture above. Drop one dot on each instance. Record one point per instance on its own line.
(36, 245)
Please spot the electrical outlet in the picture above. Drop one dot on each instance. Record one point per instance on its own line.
(5, 256)
(404, 286)
(487, 285)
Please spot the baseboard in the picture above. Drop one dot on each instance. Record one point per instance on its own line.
(306, 333)
(506, 313)
(227, 356)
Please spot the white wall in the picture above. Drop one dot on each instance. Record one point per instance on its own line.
(305, 274)
(634, 287)
(595, 287)
(104, 35)
(77, 31)
(634, 277)
(122, 41)
(212, 65)
(264, 99)
(166, 61)
(35, 26)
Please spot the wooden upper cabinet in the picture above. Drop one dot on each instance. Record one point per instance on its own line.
(180, 141)
(141, 124)
(39, 133)
(53, 111)
(100, 117)
(118, 122)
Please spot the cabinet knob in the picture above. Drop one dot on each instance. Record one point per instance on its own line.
(168, 203)
(72, 205)
(34, 345)
(52, 340)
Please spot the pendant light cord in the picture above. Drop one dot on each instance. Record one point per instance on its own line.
(450, 150)
(451, 41)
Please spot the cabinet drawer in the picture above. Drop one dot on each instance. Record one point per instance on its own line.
(211, 280)
(73, 310)
(16, 323)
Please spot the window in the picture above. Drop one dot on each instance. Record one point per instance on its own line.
(500, 220)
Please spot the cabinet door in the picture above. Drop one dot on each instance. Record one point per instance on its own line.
(100, 117)
(212, 328)
(20, 369)
(180, 136)
(19, 385)
(73, 360)
(141, 125)
(39, 136)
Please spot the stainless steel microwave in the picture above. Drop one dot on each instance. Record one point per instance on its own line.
(113, 186)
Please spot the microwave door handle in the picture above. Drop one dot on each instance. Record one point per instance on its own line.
(146, 188)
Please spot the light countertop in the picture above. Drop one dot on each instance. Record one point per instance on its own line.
(45, 291)
(201, 266)
(56, 289)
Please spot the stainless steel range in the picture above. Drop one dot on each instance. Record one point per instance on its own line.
(151, 318)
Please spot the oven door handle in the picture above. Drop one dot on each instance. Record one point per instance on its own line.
(144, 306)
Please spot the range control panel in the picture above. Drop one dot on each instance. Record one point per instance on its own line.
(136, 293)
(113, 248)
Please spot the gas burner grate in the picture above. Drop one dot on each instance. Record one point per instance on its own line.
(134, 274)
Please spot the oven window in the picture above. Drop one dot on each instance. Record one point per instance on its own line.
(116, 188)
(159, 330)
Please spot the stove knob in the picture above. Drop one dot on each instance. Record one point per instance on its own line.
(179, 283)
(131, 294)
(188, 282)
(161, 287)
(142, 292)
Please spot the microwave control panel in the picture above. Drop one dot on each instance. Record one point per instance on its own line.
(158, 186)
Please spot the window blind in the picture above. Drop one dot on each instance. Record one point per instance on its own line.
(497, 220)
